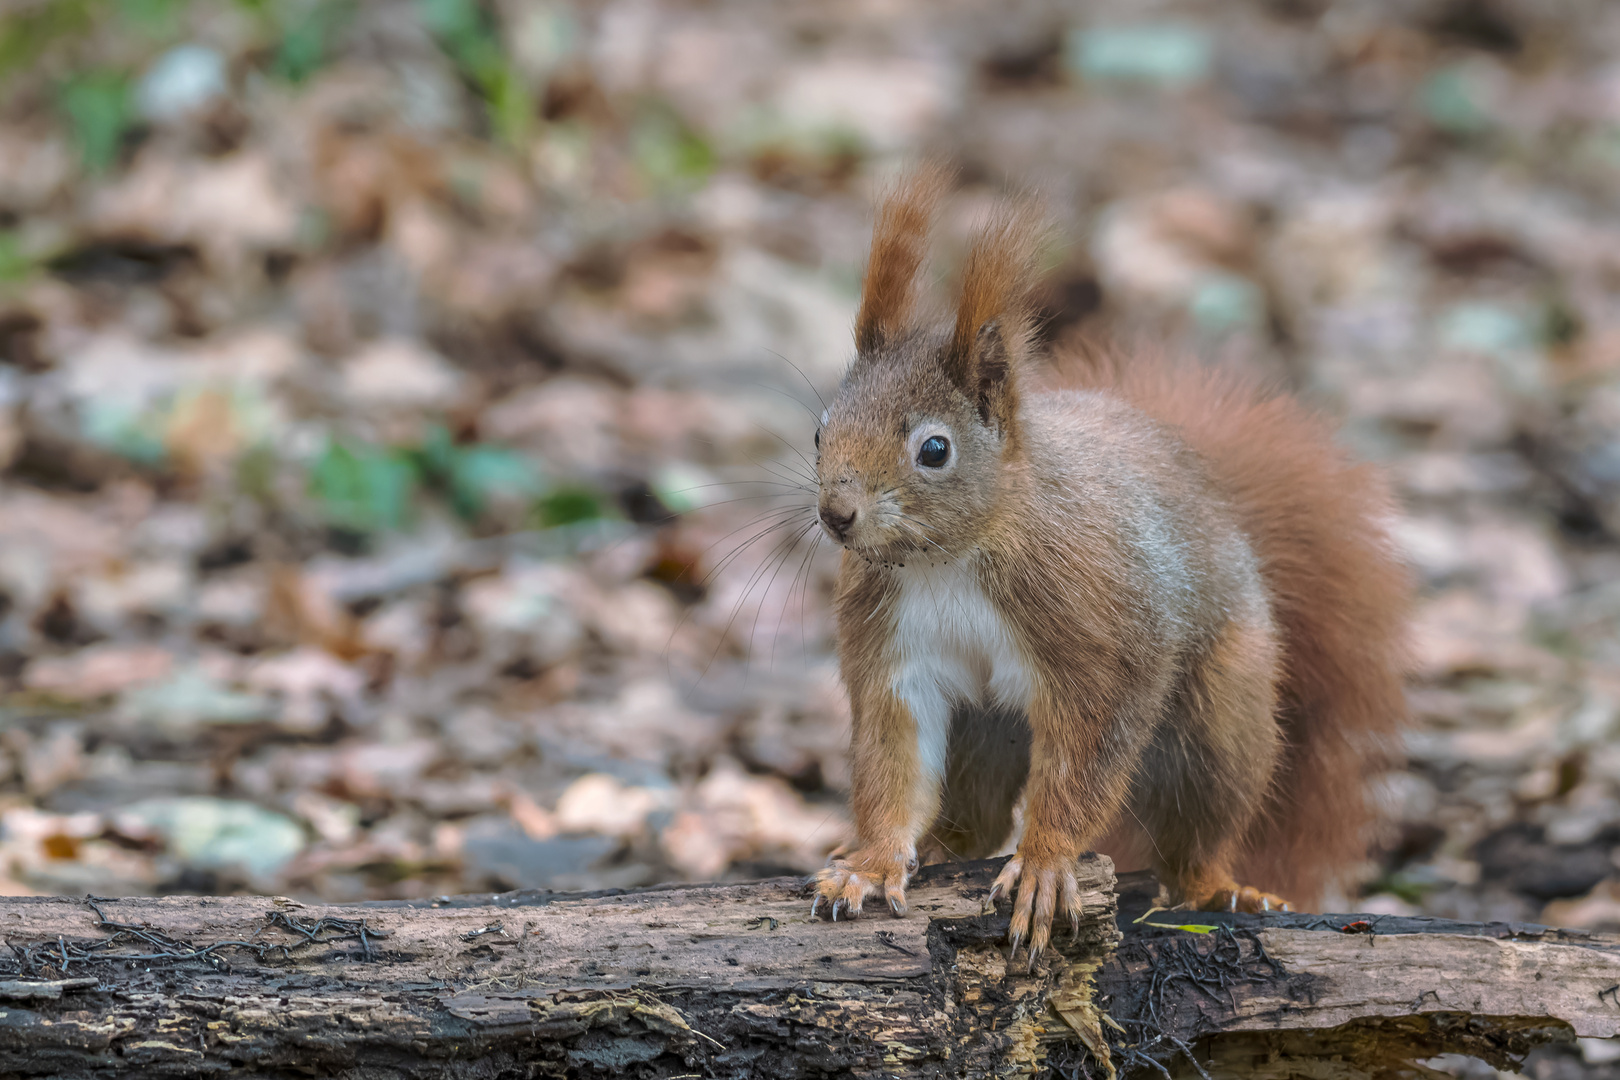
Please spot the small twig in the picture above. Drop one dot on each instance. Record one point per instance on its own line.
(165, 949)
(1137, 1057)
(1187, 1052)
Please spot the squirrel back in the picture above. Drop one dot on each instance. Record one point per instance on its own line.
(1339, 591)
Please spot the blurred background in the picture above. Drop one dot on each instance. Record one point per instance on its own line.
(405, 405)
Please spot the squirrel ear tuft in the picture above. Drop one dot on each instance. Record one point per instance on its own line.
(899, 242)
(995, 320)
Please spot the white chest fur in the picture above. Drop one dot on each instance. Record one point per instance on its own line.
(952, 647)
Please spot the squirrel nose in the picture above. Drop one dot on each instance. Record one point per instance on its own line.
(837, 524)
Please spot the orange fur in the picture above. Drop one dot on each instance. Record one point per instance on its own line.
(1339, 593)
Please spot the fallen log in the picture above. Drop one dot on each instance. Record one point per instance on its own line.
(737, 980)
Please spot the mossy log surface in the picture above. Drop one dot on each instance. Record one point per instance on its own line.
(737, 980)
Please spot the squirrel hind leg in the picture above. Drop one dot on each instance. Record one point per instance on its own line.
(1208, 773)
(986, 764)
(1209, 889)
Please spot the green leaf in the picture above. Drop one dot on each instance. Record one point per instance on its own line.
(480, 473)
(1191, 928)
(668, 152)
(154, 18)
(511, 106)
(256, 472)
(125, 428)
(437, 454)
(15, 263)
(28, 34)
(1455, 100)
(98, 109)
(453, 19)
(469, 38)
(1406, 886)
(307, 32)
(363, 488)
(568, 506)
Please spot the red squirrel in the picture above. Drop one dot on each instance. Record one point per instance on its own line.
(1158, 605)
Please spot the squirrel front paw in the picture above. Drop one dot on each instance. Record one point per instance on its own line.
(1046, 885)
(846, 882)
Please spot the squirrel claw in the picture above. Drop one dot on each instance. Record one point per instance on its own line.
(1243, 898)
(847, 883)
(1045, 888)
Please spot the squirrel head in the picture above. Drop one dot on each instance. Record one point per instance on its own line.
(912, 453)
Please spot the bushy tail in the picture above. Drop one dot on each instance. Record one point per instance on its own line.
(1340, 593)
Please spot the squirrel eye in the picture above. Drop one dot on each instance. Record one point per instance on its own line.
(934, 452)
(818, 438)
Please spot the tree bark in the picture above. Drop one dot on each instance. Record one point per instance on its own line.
(739, 981)
(1285, 995)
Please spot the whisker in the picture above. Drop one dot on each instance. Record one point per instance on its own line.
(746, 498)
(678, 514)
(806, 568)
(732, 483)
(918, 528)
(951, 822)
(791, 446)
(789, 474)
(791, 397)
(763, 515)
(703, 583)
(748, 589)
(781, 562)
(708, 578)
(805, 477)
(803, 376)
(785, 516)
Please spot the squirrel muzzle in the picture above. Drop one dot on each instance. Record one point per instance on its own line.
(838, 521)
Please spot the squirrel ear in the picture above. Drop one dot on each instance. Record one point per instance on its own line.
(988, 375)
(993, 321)
(899, 241)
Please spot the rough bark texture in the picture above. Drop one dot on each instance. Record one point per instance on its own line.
(737, 981)
(728, 980)
(1286, 995)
